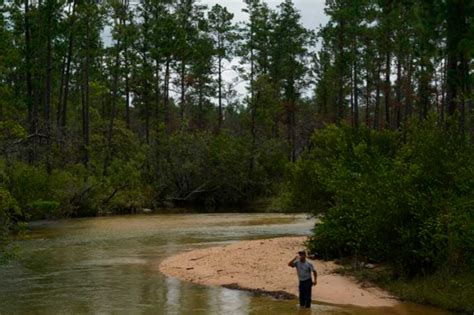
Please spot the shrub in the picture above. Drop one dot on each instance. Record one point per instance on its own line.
(42, 209)
(9, 214)
(215, 170)
(403, 198)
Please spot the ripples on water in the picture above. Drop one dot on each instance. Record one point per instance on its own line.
(110, 266)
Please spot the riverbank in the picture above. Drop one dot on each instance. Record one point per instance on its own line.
(442, 289)
(261, 266)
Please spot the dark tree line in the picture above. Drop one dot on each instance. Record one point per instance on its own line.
(391, 60)
(148, 63)
(391, 176)
(106, 90)
(108, 96)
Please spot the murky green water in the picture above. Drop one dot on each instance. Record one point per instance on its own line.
(110, 266)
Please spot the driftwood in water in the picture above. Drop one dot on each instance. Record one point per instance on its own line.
(200, 190)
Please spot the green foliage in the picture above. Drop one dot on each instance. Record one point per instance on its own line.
(214, 170)
(41, 208)
(65, 185)
(184, 168)
(8, 210)
(9, 214)
(122, 191)
(28, 184)
(11, 130)
(75, 191)
(442, 289)
(405, 198)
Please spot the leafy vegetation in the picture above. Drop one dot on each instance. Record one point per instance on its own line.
(398, 197)
(449, 290)
(110, 107)
(9, 211)
(105, 112)
(401, 198)
(443, 288)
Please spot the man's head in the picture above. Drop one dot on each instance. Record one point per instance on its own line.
(302, 255)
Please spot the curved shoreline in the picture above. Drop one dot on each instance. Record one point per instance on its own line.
(260, 267)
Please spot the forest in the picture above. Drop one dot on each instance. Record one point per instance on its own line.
(115, 106)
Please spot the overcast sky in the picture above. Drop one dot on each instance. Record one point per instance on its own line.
(312, 11)
(312, 14)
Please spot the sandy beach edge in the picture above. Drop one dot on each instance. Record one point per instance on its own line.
(260, 266)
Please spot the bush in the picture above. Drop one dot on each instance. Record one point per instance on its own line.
(28, 184)
(43, 209)
(403, 198)
(214, 171)
(9, 214)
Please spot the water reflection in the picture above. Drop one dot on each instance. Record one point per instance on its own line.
(225, 301)
(173, 295)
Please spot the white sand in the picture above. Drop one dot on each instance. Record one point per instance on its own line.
(263, 265)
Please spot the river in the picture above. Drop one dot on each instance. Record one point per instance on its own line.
(110, 266)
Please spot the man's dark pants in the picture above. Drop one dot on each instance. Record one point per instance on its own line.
(305, 293)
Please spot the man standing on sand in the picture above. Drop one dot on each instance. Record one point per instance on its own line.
(304, 269)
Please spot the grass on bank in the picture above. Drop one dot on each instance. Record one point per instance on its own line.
(443, 289)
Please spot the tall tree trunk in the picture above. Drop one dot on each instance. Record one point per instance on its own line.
(147, 73)
(351, 95)
(183, 92)
(85, 98)
(60, 97)
(409, 89)
(356, 96)
(367, 100)
(32, 123)
(399, 93)
(253, 132)
(443, 90)
(464, 69)
(377, 99)
(127, 97)
(200, 123)
(252, 67)
(253, 116)
(113, 113)
(146, 100)
(167, 96)
(126, 4)
(157, 94)
(61, 122)
(64, 101)
(219, 80)
(437, 86)
(387, 89)
(47, 94)
(291, 99)
(340, 97)
(292, 131)
(456, 31)
(146, 95)
(127, 90)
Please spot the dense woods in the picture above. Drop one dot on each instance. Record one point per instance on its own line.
(115, 106)
(396, 186)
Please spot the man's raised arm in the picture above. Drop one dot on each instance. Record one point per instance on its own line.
(292, 262)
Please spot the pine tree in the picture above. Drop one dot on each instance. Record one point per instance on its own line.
(223, 35)
(291, 56)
